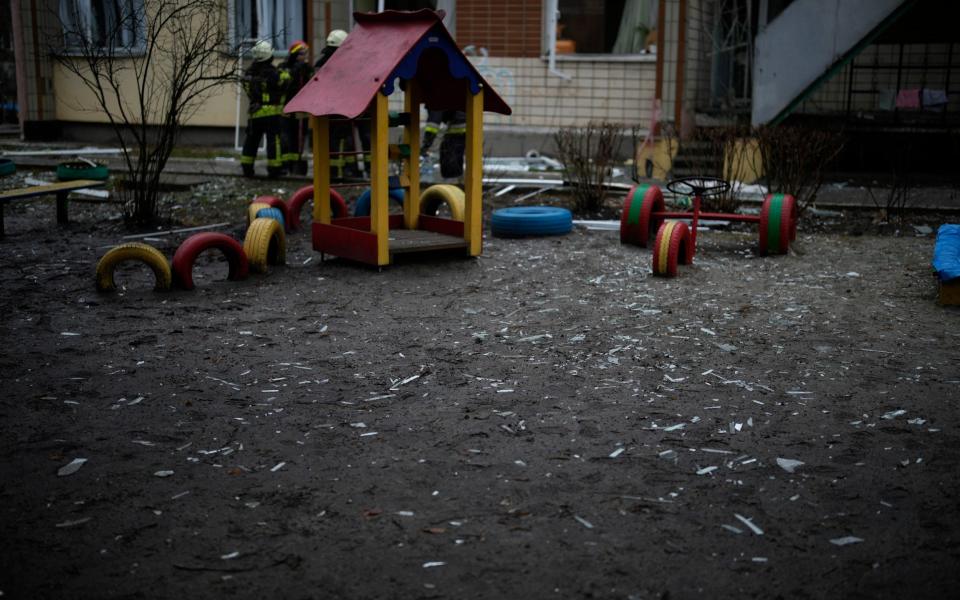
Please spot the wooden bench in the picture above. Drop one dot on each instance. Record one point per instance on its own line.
(62, 190)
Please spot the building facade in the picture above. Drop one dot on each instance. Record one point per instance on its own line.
(871, 65)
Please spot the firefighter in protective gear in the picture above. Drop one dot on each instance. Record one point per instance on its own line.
(264, 86)
(297, 71)
(334, 39)
(348, 141)
(454, 139)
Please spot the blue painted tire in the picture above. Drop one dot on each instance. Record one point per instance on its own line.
(71, 171)
(362, 207)
(531, 220)
(7, 167)
(272, 213)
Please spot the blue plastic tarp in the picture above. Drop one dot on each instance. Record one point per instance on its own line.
(946, 252)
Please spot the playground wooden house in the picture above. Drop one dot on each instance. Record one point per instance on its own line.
(416, 49)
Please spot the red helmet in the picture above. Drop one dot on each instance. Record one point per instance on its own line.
(298, 46)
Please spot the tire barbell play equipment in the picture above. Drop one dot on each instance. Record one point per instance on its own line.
(133, 251)
(644, 211)
(638, 225)
(778, 224)
(188, 251)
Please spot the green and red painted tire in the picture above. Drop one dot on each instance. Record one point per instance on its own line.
(778, 223)
(637, 223)
(672, 247)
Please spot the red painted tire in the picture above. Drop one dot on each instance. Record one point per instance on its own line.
(637, 223)
(672, 247)
(275, 202)
(338, 207)
(778, 224)
(191, 247)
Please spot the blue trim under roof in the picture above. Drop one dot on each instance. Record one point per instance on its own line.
(460, 67)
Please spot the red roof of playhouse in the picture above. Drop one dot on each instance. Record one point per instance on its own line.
(387, 45)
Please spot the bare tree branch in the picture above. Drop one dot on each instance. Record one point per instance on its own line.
(183, 57)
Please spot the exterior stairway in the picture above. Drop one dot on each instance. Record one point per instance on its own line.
(809, 42)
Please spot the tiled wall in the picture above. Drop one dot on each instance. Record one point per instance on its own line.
(38, 78)
(504, 27)
(619, 92)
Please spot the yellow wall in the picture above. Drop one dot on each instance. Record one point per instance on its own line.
(741, 161)
(661, 152)
(76, 103)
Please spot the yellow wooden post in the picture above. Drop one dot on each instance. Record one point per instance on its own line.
(473, 176)
(321, 169)
(411, 164)
(379, 211)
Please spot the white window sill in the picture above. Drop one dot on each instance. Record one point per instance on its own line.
(628, 58)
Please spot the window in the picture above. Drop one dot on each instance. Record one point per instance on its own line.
(605, 27)
(280, 22)
(109, 24)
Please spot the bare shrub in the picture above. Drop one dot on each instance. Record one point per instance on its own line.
(149, 88)
(793, 159)
(587, 154)
(893, 200)
(717, 143)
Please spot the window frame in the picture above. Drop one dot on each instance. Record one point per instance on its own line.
(138, 48)
(550, 54)
(279, 51)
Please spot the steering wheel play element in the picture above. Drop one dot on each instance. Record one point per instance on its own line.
(698, 186)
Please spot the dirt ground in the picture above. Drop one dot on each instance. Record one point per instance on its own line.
(545, 421)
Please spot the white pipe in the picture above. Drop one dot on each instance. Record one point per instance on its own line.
(236, 128)
(552, 40)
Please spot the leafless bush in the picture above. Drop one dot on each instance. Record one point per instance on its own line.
(896, 197)
(587, 154)
(149, 69)
(793, 159)
(718, 143)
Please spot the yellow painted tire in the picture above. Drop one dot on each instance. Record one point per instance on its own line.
(253, 208)
(144, 253)
(434, 196)
(265, 244)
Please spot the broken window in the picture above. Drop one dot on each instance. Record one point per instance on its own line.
(607, 27)
(108, 24)
(280, 22)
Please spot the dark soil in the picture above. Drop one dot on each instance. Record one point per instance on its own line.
(545, 421)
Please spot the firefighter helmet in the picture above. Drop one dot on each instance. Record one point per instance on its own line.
(336, 38)
(262, 50)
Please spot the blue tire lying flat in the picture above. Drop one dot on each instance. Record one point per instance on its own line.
(521, 221)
